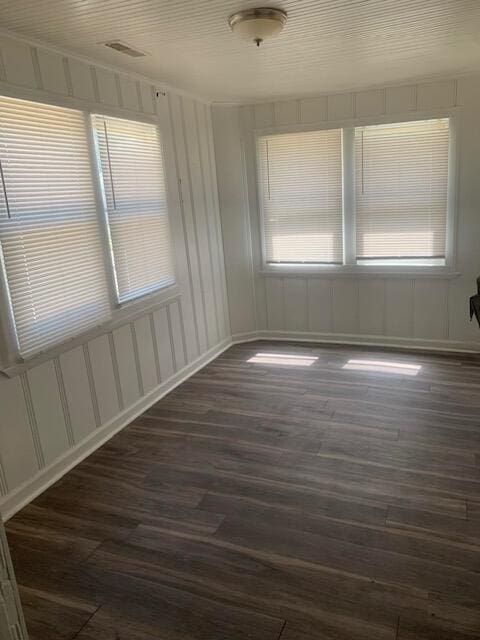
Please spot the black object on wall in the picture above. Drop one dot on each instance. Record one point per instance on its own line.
(475, 303)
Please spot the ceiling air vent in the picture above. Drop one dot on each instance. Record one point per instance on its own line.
(125, 48)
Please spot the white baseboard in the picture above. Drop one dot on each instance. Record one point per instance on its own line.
(248, 336)
(29, 490)
(360, 340)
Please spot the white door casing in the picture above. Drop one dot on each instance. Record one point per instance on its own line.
(12, 622)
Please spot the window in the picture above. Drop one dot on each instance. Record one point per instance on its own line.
(401, 192)
(301, 196)
(394, 180)
(52, 254)
(136, 205)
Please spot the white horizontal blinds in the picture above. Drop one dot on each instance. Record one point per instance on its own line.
(135, 192)
(301, 190)
(401, 190)
(48, 224)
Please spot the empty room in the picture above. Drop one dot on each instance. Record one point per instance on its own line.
(239, 320)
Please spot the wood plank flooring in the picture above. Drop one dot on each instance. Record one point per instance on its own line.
(270, 501)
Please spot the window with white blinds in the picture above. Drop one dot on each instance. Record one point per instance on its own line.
(301, 196)
(401, 192)
(136, 203)
(52, 253)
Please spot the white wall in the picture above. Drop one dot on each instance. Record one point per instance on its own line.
(56, 412)
(413, 311)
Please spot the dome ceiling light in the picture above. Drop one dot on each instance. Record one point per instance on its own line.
(255, 25)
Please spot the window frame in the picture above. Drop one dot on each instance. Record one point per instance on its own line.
(350, 265)
(11, 362)
(291, 265)
(104, 215)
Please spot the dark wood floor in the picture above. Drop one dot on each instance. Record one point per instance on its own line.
(264, 501)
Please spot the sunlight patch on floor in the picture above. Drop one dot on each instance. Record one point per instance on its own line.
(283, 359)
(383, 366)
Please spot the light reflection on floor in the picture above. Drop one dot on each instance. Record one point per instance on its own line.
(383, 366)
(283, 358)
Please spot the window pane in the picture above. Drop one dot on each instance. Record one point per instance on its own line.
(301, 193)
(48, 224)
(401, 191)
(133, 177)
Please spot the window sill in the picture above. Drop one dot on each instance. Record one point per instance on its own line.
(121, 315)
(373, 271)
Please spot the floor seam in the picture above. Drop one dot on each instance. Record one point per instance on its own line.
(282, 630)
(87, 621)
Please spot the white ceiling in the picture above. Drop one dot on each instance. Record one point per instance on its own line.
(327, 45)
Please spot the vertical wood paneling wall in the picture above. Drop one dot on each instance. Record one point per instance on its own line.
(55, 413)
(411, 311)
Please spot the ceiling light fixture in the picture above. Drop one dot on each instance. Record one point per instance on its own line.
(255, 25)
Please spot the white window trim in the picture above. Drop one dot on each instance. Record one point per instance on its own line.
(128, 313)
(104, 227)
(11, 363)
(102, 209)
(350, 267)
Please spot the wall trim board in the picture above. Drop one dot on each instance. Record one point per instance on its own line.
(127, 314)
(360, 271)
(12, 622)
(247, 336)
(405, 344)
(25, 493)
